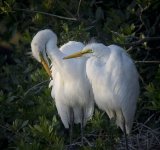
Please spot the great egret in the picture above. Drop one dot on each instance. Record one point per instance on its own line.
(70, 86)
(114, 80)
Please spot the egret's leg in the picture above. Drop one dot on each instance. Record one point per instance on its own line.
(125, 133)
(82, 125)
(71, 115)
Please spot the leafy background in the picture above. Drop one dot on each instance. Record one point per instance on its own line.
(28, 117)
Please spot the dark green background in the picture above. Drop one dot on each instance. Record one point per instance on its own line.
(28, 117)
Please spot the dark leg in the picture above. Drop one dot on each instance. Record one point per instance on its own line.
(71, 115)
(125, 133)
(82, 125)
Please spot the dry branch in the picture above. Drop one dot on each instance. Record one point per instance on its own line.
(47, 14)
(147, 39)
(149, 62)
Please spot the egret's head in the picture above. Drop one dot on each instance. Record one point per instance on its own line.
(39, 46)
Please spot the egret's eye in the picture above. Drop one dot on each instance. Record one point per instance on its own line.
(90, 51)
(87, 51)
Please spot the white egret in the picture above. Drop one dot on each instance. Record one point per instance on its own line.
(114, 80)
(70, 86)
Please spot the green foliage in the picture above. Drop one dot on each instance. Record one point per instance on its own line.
(76, 34)
(28, 116)
(153, 93)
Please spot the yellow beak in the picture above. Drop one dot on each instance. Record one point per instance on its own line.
(79, 54)
(45, 65)
(74, 55)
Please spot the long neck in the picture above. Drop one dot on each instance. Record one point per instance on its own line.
(54, 53)
(103, 54)
(56, 57)
(104, 51)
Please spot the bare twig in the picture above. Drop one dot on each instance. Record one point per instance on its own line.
(79, 4)
(87, 142)
(33, 87)
(129, 49)
(44, 13)
(66, 10)
(148, 62)
(5, 127)
(147, 39)
(154, 25)
(143, 137)
(148, 119)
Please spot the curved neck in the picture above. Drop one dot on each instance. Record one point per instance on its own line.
(54, 53)
(56, 56)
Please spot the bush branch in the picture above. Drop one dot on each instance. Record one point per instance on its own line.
(147, 39)
(47, 14)
(148, 62)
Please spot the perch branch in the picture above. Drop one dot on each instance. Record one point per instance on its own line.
(147, 39)
(44, 13)
(35, 86)
(148, 62)
(79, 4)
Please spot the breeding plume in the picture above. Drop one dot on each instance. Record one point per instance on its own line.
(114, 80)
(70, 86)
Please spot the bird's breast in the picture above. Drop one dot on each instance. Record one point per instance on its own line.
(72, 92)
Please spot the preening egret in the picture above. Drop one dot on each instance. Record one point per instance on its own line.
(70, 86)
(114, 80)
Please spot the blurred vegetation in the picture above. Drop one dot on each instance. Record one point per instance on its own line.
(28, 117)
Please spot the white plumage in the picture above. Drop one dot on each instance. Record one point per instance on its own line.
(68, 48)
(114, 81)
(70, 86)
